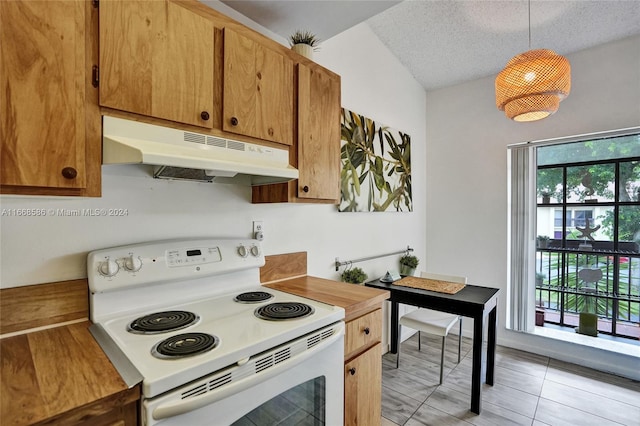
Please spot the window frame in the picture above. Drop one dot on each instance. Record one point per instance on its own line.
(521, 227)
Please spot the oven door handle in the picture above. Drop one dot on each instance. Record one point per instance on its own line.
(175, 408)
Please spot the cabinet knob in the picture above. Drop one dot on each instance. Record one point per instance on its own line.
(305, 188)
(352, 371)
(366, 330)
(234, 121)
(69, 173)
(204, 115)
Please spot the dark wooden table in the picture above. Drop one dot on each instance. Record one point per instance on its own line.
(472, 301)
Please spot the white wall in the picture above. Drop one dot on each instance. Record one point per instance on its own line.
(467, 175)
(52, 248)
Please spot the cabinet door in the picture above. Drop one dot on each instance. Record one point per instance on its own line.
(42, 78)
(363, 388)
(156, 59)
(258, 90)
(318, 133)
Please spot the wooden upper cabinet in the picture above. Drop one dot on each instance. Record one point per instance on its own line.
(318, 133)
(257, 90)
(317, 146)
(157, 59)
(43, 78)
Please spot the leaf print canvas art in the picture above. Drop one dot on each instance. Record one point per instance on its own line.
(376, 166)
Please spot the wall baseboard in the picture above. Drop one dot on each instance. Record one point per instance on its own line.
(621, 363)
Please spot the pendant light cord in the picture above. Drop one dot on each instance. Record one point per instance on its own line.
(529, 24)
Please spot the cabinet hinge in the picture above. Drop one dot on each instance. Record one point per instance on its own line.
(95, 3)
(95, 76)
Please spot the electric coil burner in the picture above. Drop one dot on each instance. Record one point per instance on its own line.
(162, 322)
(283, 311)
(253, 297)
(184, 345)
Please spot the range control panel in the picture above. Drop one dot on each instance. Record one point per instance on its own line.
(193, 256)
(161, 261)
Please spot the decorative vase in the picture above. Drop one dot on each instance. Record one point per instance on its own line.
(303, 49)
(588, 324)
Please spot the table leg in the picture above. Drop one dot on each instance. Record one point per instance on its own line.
(476, 372)
(394, 327)
(491, 346)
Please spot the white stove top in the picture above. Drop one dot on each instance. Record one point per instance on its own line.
(205, 283)
(241, 335)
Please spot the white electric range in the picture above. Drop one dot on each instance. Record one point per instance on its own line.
(190, 320)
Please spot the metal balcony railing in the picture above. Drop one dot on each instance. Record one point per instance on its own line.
(610, 287)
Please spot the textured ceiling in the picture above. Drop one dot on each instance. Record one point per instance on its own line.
(446, 42)
(325, 18)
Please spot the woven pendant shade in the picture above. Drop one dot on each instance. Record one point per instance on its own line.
(532, 85)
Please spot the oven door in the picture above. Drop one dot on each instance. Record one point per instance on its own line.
(300, 382)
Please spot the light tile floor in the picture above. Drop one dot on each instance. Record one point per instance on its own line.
(529, 389)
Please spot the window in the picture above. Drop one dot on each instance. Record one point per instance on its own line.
(580, 217)
(581, 197)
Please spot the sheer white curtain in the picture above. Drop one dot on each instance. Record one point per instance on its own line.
(522, 238)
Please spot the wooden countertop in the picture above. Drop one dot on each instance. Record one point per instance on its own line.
(61, 375)
(58, 376)
(356, 300)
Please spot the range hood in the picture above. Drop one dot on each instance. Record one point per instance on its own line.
(178, 154)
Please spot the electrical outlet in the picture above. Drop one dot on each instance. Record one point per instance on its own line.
(258, 230)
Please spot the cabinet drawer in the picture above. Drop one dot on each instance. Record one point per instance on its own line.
(363, 332)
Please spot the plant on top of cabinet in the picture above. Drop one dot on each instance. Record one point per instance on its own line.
(304, 43)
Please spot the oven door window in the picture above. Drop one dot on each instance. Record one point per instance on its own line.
(301, 405)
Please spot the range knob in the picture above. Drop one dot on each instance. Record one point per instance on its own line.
(132, 263)
(255, 251)
(242, 251)
(108, 268)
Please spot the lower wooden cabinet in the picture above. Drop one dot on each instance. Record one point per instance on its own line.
(363, 331)
(363, 388)
(363, 370)
(127, 415)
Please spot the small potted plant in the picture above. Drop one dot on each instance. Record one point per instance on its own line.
(546, 197)
(304, 43)
(543, 241)
(354, 276)
(408, 264)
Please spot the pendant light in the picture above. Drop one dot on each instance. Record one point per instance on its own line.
(533, 83)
